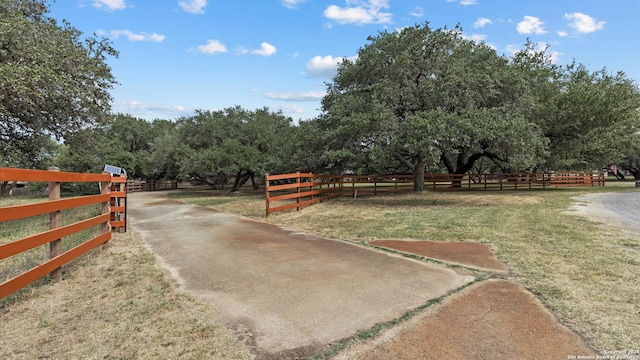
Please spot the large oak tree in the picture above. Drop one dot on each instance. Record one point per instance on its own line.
(430, 97)
(53, 81)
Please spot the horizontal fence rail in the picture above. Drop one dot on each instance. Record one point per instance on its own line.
(294, 191)
(151, 185)
(112, 209)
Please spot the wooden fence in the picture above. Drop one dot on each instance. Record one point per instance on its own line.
(294, 191)
(151, 185)
(297, 190)
(112, 216)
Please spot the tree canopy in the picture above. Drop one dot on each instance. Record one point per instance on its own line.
(413, 100)
(431, 98)
(53, 81)
(214, 146)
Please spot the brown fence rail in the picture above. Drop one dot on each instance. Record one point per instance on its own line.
(112, 210)
(294, 191)
(151, 185)
(297, 190)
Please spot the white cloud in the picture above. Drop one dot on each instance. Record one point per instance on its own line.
(302, 96)
(360, 12)
(562, 33)
(555, 57)
(583, 24)
(465, 2)
(475, 37)
(417, 12)
(212, 47)
(193, 6)
(290, 109)
(131, 36)
(482, 22)
(139, 108)
(109, 5)
(323, 66)
(292, 4)
(531, 25)
(266, 49)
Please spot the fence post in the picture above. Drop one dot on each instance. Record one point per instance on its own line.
(54, 223)
(266, 194)
(105, 188)
(298, 189)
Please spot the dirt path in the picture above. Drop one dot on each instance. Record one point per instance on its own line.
(295, 293)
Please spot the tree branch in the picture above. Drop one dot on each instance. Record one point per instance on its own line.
(404, 161)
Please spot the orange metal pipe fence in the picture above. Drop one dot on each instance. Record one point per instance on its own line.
(113, 209)
(306, 188)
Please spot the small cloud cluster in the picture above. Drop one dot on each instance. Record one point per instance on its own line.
(302, 96)
(131, 36)
(579, 22)
(292, 4)
(193, 6)
(465, 2)
(215, 46)
(265, 50)
(417, 12)
(482, 22)
(360, 12)
(323, 66)
(212, 47)
(109, 5)
(582, 24)
(139, 108)
(531, 25)
(475, 37)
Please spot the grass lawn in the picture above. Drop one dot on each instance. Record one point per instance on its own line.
(585, 273)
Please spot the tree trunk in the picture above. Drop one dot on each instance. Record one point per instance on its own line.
(242, 177)
(256, 186)
(418, 175)
(5, 188)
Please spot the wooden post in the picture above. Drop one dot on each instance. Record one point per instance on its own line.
(298, 190)
(313, 181)
(266, 194)
(105, 188)
(54, 223)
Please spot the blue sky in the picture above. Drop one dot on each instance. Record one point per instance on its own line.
(177, 56)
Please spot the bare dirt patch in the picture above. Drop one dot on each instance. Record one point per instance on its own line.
(470, 254)
(495, 319)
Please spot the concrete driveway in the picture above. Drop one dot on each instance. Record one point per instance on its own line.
(616, 210)
(294, 292)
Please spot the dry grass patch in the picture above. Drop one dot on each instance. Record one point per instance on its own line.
(114, 302)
